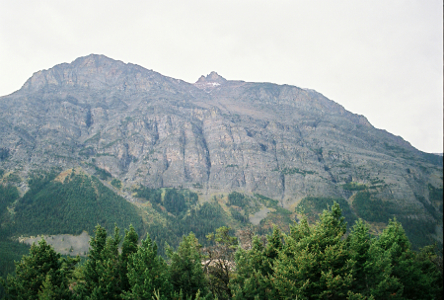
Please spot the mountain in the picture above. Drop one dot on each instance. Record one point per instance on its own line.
(142, 130)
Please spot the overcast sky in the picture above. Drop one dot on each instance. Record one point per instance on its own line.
(381, 58)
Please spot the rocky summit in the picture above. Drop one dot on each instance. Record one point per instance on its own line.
(214, 136)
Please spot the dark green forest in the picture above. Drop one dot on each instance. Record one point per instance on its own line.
(310, 261)
(51, 207)
(79, 203)
(180, 214)
(163, 219)
(312, 207)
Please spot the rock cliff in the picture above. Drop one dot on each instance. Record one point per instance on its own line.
(214, 136)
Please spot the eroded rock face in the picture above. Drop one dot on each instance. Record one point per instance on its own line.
(144, 128)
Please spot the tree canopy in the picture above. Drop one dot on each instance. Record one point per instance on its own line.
(318, 261)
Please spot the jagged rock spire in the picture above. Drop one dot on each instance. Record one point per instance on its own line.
(209, 82)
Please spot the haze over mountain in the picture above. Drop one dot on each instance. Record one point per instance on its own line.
(214, 136)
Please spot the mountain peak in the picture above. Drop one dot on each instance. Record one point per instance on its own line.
(93, 70)
(96, 71)
(207, 83)
(212, 77)
(96, 60)
(145, 129)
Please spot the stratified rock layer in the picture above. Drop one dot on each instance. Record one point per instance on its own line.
(280, 141)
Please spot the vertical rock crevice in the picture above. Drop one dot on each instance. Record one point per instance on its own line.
(206, 152)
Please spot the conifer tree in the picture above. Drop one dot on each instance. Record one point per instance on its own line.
(373, 268)
(429, 262)
(220, 261)
(102, 269)
(129, 246)
(274, 245)
(251, 279)
(186, 270)
(148, 274)
(418, 276)
(315, 264)
(42, 273)
(47, 290)
(378, 270)
(359, 242)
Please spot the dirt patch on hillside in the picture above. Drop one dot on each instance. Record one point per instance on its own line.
(61, 177)
(67, 244)
(257, 217)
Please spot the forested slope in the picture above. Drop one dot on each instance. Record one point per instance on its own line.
(78, 203)
(310, 261)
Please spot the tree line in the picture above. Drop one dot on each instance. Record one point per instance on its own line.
(319, 261)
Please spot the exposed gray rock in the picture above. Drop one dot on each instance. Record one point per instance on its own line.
(145, 128)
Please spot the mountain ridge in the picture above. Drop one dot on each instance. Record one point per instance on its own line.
(215, 136)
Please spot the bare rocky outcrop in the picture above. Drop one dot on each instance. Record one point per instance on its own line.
(144, 128)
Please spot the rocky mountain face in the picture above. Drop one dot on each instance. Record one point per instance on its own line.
(213, 136)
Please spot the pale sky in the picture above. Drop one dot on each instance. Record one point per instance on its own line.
(381, 58)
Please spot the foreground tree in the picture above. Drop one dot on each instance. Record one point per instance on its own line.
(187, 275)
(418, 276)
(311, 262)
(129, 246)
(372, 270)
(254, 268)
(220, 261)
(148, 274)
(314, 262)
(101, 272)
(386, 268)
(43, 274)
